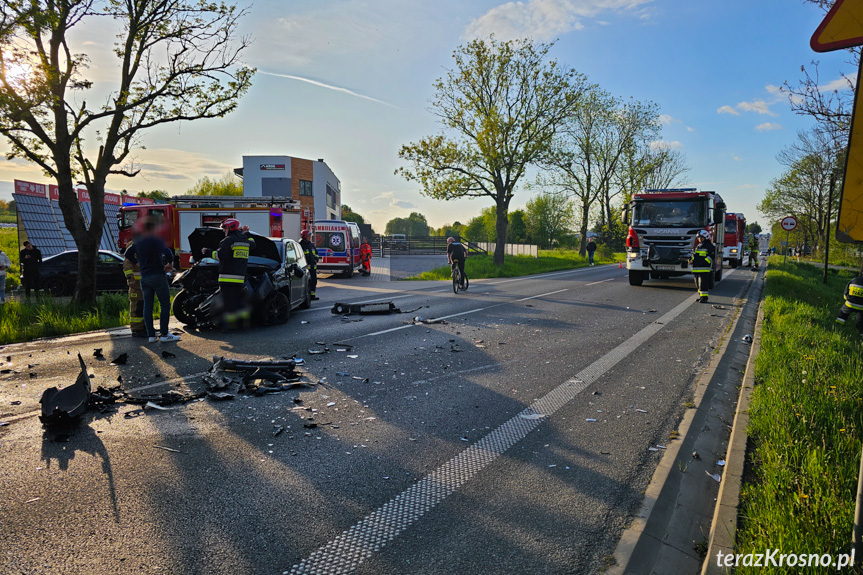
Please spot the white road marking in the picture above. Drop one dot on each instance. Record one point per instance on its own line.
(347, 551)
(600, 282)
(468, 312)
(539, 276)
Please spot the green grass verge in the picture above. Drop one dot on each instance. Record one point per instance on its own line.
(47, 317)
(479, 267)
(806, 419)
(9, 245)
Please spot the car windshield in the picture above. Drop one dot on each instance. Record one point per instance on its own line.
(730, 226)
(128, 218)
(671, 214)
(332, 240)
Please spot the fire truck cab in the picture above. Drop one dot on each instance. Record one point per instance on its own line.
(735, 231)
(663, 225)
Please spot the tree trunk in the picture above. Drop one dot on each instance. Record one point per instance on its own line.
(86, 240)
(585, 214)
(500, 243)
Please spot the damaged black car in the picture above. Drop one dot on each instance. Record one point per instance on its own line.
(277, 281)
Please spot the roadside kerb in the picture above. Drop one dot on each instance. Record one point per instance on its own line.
(679, 501)
(723, 530)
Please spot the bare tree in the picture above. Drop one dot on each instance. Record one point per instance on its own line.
(177, 60)
(664, 167)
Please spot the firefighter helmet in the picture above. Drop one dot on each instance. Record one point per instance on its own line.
(230, 225)
(704, 234)
(304, 234)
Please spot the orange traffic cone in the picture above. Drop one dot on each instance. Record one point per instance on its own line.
(620, 266)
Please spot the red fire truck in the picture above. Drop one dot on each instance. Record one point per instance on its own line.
(663, 225)
(275, 217)
(735, 230)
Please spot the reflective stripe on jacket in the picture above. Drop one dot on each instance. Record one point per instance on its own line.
(702, 257)
(310, 251)
(233, 257)
(854, 294)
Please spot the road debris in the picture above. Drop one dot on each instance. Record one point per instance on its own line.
(167, 449)
(590, 420)
(62, 406)
(721, 463)
(168, 354)
(715, 476)
(747, 338)
(379, 308)
(121, 359)
(641, 410)
(97, 353)
(220, 396)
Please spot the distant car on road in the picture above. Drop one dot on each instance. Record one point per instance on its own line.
(58, 273)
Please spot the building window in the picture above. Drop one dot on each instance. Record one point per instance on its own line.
(306, 188)
(332, 197)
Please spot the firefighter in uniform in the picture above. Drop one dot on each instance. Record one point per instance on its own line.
(311, 254)
(366, 257)
(233, 258)
(853, 302)
(702, 264)
(132, 271)
(753, 251)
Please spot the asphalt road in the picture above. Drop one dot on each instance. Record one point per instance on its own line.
(460, 447)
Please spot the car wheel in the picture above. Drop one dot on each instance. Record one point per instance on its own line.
(276, 309)
(55, 286)
(178, 308)
(349, 273)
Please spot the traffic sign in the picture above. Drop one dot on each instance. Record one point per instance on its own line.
(843, 28)
(788, 223)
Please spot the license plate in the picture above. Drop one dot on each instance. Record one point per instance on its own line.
(665, 268)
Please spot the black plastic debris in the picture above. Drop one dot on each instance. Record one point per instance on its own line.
(378, 308)
(5, 371)
(168, 354)
(62, 406)
(121, 359)
(265, 375)
(419, 320)
(226, 364)
(33, 375)
(16, 402)
(220, 395)
(97, 353)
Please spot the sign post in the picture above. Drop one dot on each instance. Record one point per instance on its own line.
(788, 223)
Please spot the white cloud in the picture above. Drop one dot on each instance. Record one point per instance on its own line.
(757, 106)
(727, 110)
(771, 89)
(768, 127)
(841, 83)
(735, 157)
(666, 119)
(665, 145)
(404, 204)
(385, 196)
(328, 87)
(545, 19)
(690, 129)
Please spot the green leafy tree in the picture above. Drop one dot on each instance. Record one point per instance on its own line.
(414, 225)
(517, 232)
(499, 108)
(753, 228)
(160, 196)
(349, 215)
(228, 185)
(177, 60)
(476, 230)
(548, 217)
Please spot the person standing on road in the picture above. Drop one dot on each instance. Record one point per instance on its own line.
(31, 259)
(702, 264)
(366, 257)
(154, 259)
(4, 268)
(455, 255)
(853, 302)
(311, 254)
(591, 248)
(753, 251)
(132, 271)
(233, 258)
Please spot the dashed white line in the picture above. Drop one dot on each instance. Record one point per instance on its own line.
(600, 282)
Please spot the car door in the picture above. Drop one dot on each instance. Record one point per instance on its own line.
(109, 273)
(290, 261)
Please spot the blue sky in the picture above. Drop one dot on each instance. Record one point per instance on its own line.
(712, 67)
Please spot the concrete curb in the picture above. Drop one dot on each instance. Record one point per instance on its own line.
(639, 531)
(723, 529)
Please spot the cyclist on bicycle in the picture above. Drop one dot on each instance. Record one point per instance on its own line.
(456, 252)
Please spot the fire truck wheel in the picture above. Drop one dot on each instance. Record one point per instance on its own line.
(734, 263)
(636, 278)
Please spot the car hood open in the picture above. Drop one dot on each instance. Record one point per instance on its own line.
(209, 238)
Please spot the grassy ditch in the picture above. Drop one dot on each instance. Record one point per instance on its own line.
(478, 267)
(806, 419)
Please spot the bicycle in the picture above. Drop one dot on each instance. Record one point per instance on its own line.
(457, 277)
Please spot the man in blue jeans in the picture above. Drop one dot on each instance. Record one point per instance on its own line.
(154, 259)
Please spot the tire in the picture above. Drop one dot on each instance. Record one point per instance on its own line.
(466, 284)
(636, 278)
(55, 286)
(455, 281)
(179, 311)
(275, 310)
(734, 263)
(349, 273)
(717, 275)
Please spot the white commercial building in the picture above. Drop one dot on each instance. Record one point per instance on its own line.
(310, 182)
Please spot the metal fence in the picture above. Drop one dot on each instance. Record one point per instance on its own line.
(419, 245)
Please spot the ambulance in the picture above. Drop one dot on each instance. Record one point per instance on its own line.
(338, 244)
